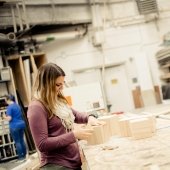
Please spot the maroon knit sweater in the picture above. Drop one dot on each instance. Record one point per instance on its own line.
(51, 139)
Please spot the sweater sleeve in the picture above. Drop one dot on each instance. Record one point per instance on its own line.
(80, 117)
(38, 122)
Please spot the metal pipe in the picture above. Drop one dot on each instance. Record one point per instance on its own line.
(13, 19)
(10, 36)
(25, 15)
(53, 11)
(19, 17)
(60, 36)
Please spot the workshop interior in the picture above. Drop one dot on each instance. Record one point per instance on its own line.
(116, 59)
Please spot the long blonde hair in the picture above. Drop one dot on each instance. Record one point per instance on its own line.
(45, 86)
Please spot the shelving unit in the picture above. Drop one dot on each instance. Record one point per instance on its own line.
(7, 145)
(7, 85)
(24, 68)
(163, 58)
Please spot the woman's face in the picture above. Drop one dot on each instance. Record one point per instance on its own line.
(59, 83)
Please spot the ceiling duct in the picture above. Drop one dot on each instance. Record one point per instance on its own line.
(77, 33)
(147, 6)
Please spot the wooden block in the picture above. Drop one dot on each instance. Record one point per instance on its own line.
(142, 135)
(112, 126)
(152, 120)
(157, 94)
(124, 127)
(115, 128)
(141, 128)
(137, 98)
(107, 128)
(140, 123)
(97, 137)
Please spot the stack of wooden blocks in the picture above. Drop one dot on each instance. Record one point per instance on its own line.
(136, 127)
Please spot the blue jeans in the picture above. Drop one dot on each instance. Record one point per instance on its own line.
(18, 137)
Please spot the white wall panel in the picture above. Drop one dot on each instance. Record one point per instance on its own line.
(143, 72)
(149, 33)
(122, 37)
(120, 45)
(121, 10)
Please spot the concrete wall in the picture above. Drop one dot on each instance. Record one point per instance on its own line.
(135, 44)
(124, 36)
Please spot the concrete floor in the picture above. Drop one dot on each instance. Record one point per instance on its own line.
(9, 165)
(13, 163)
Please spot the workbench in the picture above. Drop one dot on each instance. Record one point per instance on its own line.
(125, 153)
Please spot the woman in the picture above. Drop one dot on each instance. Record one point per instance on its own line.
(51, 121)
(17, 126)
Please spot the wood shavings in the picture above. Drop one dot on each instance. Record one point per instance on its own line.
(107, 147)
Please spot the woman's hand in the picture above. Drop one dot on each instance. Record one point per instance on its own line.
(95, 122)
(82, 134)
